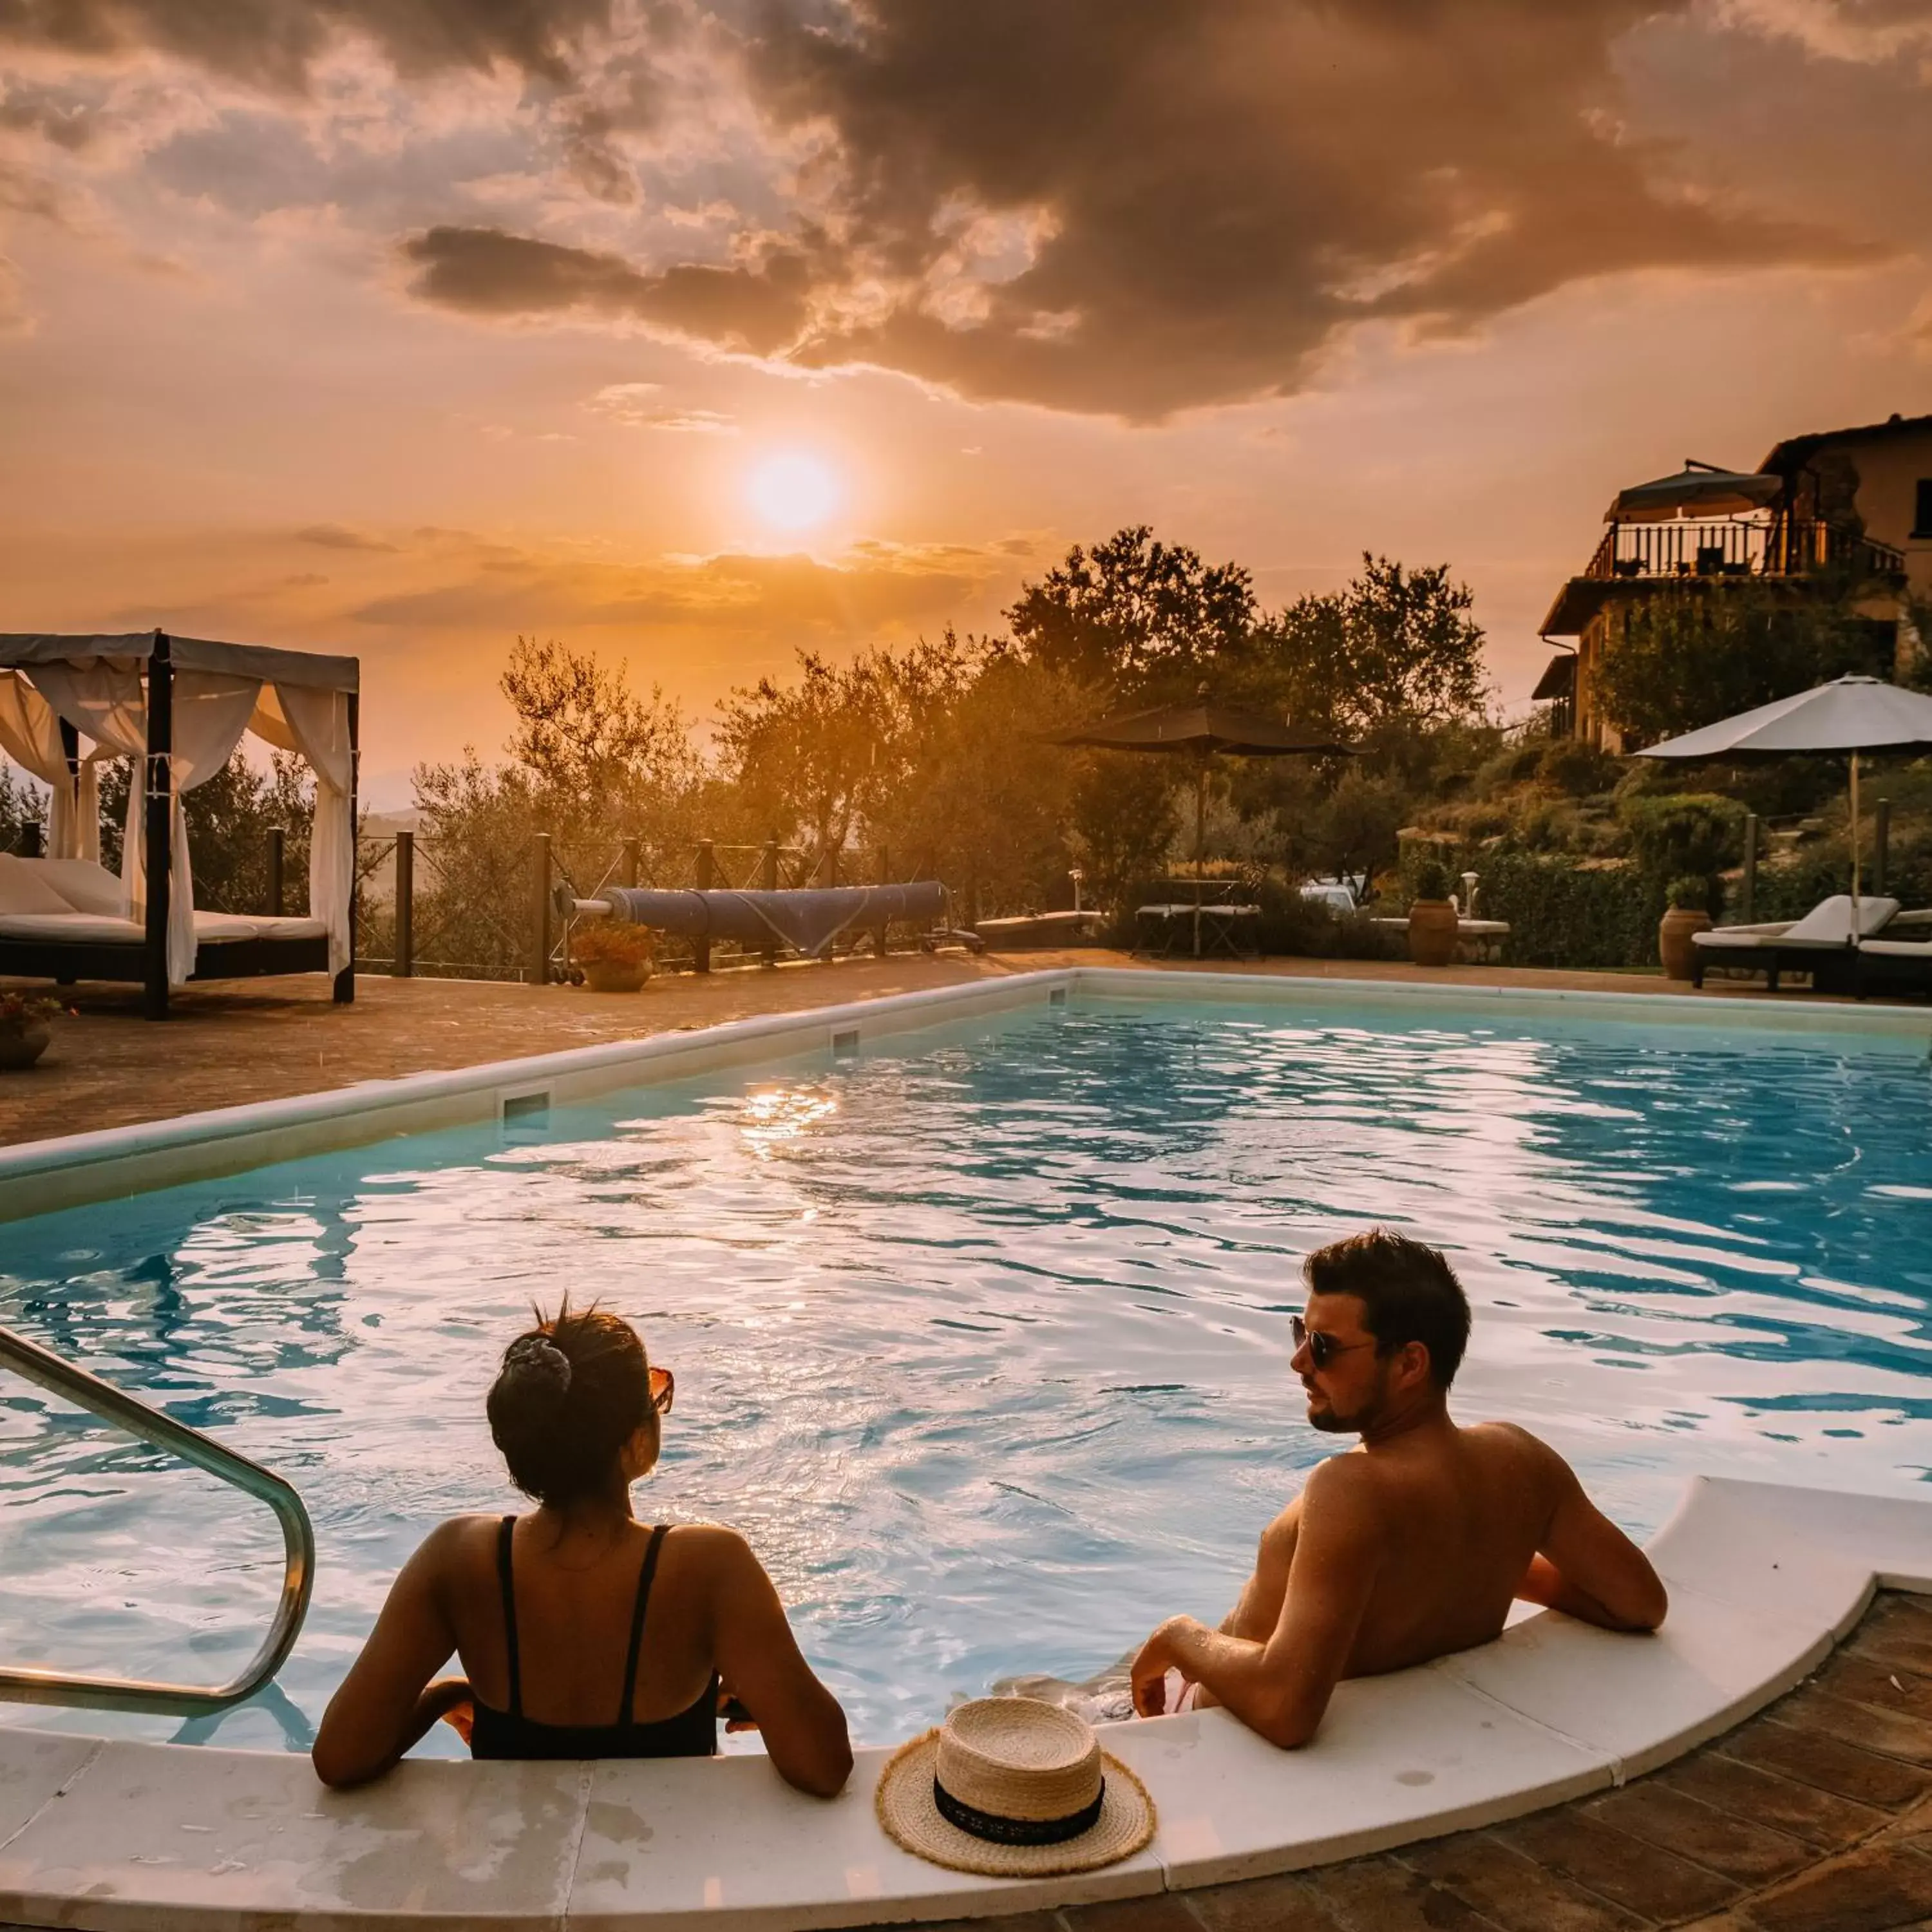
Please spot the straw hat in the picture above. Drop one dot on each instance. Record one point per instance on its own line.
(1011, 1787)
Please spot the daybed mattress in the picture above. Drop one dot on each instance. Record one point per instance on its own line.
(82, 928)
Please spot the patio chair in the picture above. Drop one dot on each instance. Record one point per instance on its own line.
(1820, 944)
(1892, 965)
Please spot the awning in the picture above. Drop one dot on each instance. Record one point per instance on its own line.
(310, 669)
(1558, 679)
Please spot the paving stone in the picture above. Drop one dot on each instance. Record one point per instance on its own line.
(1158, 1912)
(1820, 1819)
(1896, 1634)
(1883, 1688)
(1736, 1847)
(1892, 1733)
(1285, 1904)
(1813, 1757)
(1652, 1883)
(1878, 1889)
(1383, 1895)
(1500, 1882)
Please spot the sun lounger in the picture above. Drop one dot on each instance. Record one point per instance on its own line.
(1899, 965)
(1820, 944)
(61, 919)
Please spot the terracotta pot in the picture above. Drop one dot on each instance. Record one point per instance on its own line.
(1673, 940)
(21, 1042)
(1432, 932)
(615, 975)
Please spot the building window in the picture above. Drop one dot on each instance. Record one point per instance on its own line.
(1922, 523)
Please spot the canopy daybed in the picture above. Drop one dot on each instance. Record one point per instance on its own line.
(177, 707)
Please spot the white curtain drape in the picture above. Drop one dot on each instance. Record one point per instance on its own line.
(30, 734)
(210, 712)
(315, 723)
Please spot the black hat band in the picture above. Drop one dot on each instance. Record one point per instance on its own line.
(997, 1830)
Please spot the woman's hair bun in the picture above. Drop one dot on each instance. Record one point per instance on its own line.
(537, 1359)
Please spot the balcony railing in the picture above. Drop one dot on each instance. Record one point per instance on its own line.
(1727, 547)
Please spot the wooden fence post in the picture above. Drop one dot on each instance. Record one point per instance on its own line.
(1747, 889)
(879, 931)
(278, 854)
(768, 878)
(632, 861)
(33, 839)
(705, 875)
(537, 972)
(403, 966)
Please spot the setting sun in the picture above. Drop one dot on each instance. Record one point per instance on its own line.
(794, 491)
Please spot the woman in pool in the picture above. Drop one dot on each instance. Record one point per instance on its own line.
(582, 1632)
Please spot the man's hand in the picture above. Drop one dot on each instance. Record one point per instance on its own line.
(1148, 1671)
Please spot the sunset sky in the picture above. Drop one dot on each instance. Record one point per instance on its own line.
(697, 332)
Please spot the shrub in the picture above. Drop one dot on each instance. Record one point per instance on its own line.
(619, 944)
(1431, 882)
(1689, 893)
(1678, 832)
(1571, 765)
(1563, 914)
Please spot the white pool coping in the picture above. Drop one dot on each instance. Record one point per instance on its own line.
(107, 1835)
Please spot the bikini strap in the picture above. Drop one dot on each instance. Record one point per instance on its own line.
(503, 1535)
(644, 1577)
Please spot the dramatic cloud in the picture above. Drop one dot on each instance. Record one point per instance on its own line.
(1129, 207)
(277, 43)
(640, 406)
(339, 536)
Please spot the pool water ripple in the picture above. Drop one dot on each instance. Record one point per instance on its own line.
(982, 1340)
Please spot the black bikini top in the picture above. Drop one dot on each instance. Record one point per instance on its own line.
(693, 1732)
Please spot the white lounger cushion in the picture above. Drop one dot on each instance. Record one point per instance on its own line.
(1826, 925)
(1896, 948)
(86, 887)
(82, 928)
(25, 890)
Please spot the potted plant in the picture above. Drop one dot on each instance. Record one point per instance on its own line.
(1688, 902)
(25, 1027)
(616, 958)
(1432, 917)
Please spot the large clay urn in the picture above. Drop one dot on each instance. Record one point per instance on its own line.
(1432, 932)
(1674, 944)
(21, 1042)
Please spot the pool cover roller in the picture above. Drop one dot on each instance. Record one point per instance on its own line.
(807, 919)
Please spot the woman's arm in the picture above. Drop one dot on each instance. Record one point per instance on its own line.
(387, 1702)
(757, 1656)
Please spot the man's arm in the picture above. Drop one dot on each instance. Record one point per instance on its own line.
(1279, 1687)
(1587, 1567)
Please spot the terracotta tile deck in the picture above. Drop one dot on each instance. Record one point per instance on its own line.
(260, 1039)
(1782, 1826)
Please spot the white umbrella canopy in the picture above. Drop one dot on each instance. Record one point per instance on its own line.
(1849, 714)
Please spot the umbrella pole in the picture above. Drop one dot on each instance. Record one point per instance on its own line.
(1855, 848)
(1200, 848)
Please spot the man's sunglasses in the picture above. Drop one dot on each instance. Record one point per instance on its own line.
(1322, 1348)
(664, 1389)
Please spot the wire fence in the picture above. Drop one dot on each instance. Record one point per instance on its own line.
(434, 907)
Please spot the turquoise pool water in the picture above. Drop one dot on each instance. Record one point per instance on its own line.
(982, 1339)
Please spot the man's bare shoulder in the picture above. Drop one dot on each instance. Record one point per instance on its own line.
(1352, 1483)
(1528, 1457)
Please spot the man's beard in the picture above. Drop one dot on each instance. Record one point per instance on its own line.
(1330, 1421)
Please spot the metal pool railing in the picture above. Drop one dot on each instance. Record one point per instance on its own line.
(112, 1404)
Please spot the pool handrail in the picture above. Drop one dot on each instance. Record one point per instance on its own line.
(63, 1379)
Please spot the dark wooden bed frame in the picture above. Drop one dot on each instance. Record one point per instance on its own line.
(144, 963)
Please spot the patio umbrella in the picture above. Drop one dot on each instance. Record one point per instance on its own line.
(1850, 714)
(1699, 487)
(1202, 730)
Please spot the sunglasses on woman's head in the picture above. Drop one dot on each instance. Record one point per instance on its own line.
(1322, 1347)
(664, 1389)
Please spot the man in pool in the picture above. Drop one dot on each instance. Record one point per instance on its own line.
(1414, 1544)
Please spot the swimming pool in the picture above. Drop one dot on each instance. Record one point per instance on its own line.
(981, 1335)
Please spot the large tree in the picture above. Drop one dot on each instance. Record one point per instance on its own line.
(1136, 619)
(1688, 655)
